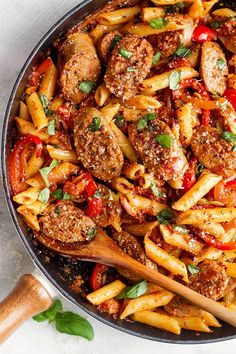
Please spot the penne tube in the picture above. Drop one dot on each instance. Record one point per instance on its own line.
(146, 302)
(26, 127)
(161, 81)
(229, 297)
(201, 216)
(196, 10)
(158, 320)
(100, 30)
(144, 30)
(28, 196)
(105, 293)
(36, 207)
(24, 112)
(211, 253)
(213, 229)
(110, 110)
(62, 155)
(56, 103)
(133, 170)
(118, 16)
(33, 165)
(140, 229)
(207, 5)
(149, 13)
(184, 116)
(224, 12)
(143, 102)
(48, 83)
(102, 94)
(166, 260)
(36, 111)
(230, 269)
(196, 192)
(209, 319)
(192, 324)
(30, 218)
(168, 2)
(124, 143)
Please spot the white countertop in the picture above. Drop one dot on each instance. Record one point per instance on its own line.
(22, 24)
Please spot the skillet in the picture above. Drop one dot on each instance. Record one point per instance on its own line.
(59, 270)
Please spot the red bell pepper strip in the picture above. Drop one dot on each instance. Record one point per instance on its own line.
(65, 114)
(94, 207)
(212, 241)
(230, 183)
(17, 158)
(90, 186)
(203, 34)
(97, 278)
(41, 69)
(230, 94)
(190, 175)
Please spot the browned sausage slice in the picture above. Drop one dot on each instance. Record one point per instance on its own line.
(82, 65)
(178, 306)
(166, 42)
(214, 69)
(107, 44)
(96, 146)
(227, 35)
(214, 152)
(66, 223)
(130, 63)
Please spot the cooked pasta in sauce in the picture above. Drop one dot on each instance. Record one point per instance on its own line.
(132, 129)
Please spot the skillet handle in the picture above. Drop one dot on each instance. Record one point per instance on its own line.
(28, 298)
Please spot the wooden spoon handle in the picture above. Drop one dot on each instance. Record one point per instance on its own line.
(27, 299)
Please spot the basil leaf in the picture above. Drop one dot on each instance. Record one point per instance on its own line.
(165, 140)
(220, 63)
(131, 69)
(67, 196)
(182, 51)
(51, 127)
(49, 314)
(60, 195)
(155, 190)
(125, 53)
(200, 168)
(229, 136)
(215, 24)
(95, 125)
(150, 116)
(156, 58)
(56, 146)
(44, 101)
(158, 23)
(86, 86)
(73, 324)
(181, 229)
(46, 170)
(193, 269)
(44, 195)
(134, 291)
(119, 120)
(174, 79)
(92, 232)
(115, 40)
(142, 123)
(164, 216)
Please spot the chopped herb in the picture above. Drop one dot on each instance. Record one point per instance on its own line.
(60, 195)
(92, 232)
(182, 51)
(86, 86)
(97, 194)
(155, 190)
(200, 168)
(67, 196)
(56, 146)
(229, 136)
(193, 269)
(125, 53)
(181, 229)
(51, 127)
(131, 69)
(46, 170)
(45, 103)
(134, 291)
(174, 80)
(158, 23)
(57, 210)
(164, 216)
(114, 42)
(165, 140)
(44, 195)
(142, 123)
(95, 125)
(220, 63)
(156, 58)
(177, 8)
(119, 120)
(215, 24)
(150, 116)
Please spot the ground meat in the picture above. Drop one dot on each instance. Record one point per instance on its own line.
(124, 75)
(214, 69)
(81, 65)
(166, 42)
(66, 223)
(107, 44)
(97, 150)
(211, 281)
(214, 152)
(178, 306)
(227, 35)
(166, 163)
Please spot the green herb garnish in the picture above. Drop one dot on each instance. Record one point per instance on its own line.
(130, 69)
(182, 51)
(60, 195)
(193, 269)
(158, 23)
(144, 120)
(125, 53)
(92, 232)
(46, 170)
(174, 80)
(215, 24)
(51, 127)
(134, 291)
(97, 194)
(156, 58)
(44, 195)
(220, 63)
(155, 190)
(95, 125)
(119, 120)
(165, 140)
(45, 103)
(86, 86)
(165, 216)
(200, 168)
(229, 136)
(114, 42)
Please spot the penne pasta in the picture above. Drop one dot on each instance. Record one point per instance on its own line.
(105, 293)
(118, 16)
(101, 94)
(161, 81)
(140, 229)
(48, 84)
(229, 297)
(62, 155)
(56, 103)
(166, 260)
(231, 269)
(23, 111)
(110, 110)
(192, 324)
(201, 216)
(146, 302)
(133, 170)
(36, 207)
(213, 229)
(30, 218)
(224, 12)
(196, 192)
(168, 2)
(28, 196)
(143, 102)
(36, 111)
(196, 10)
(144, 30)
(184, 116)
(207, 5)
(149, 13)
(124, 143)
(26, 127)
(158, 320)
(100, 30)
(209, 319)
(33, 165)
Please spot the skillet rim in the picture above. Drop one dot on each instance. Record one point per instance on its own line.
(13, 213)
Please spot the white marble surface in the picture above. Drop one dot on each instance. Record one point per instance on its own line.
(22, 24)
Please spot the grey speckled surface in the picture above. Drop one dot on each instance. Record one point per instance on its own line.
(22, 24)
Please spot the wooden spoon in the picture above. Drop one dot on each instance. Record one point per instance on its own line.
(103, 250)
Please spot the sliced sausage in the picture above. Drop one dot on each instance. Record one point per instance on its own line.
(214, 152)
(211, 281)
(82, 64)
(166, 42)
(130, 63)
(214, 69)
(227, 35)
(98, 150)
(107, 44)
(66, 223)
(166, 163)
(225, 118)
(180, 307)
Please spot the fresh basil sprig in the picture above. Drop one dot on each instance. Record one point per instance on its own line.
(66, 321)
(165, 140)
(134, 291)
(165, 216)
(156, 191)
(46, 170)
(229, 136)
(182, 51)
(45, 103)
(158, 23)
(174, 79)
(44, 195)
(86, 86)
(60, 195)
(193, 269)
